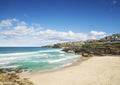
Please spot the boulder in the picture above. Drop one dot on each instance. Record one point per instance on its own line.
(19, 70)
(71, 51)
(86, 55)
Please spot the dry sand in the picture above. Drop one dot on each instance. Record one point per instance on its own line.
(94, 71)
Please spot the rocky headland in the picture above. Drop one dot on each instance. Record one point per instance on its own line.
(95, 49)
(109, 45)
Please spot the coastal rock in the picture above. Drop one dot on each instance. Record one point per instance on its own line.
(71, 51)
(7, 78)
(86, 55)
(66, 49)
(19, 70)
(96, 49)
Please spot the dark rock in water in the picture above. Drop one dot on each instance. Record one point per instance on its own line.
(10, 69)
(1, 70)
(19, 70)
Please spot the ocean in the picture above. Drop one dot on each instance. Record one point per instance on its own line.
(35, 58)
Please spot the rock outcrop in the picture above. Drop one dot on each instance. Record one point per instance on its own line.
(96, 49)
(11, 77)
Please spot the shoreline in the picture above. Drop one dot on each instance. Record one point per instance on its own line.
(82, 70)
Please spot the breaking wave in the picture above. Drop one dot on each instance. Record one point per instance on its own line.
(42, 59)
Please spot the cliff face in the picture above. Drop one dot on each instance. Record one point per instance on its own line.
(101, 49)
(96, 49)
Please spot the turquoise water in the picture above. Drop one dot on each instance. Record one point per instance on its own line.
(35, 58)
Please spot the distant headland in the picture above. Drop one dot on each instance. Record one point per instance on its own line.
(109, 45)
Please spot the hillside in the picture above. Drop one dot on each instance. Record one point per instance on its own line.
(104, 46)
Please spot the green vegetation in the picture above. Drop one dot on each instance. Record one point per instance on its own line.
(102, 45)
(96, 49)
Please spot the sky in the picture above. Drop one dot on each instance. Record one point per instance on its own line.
(42, 22)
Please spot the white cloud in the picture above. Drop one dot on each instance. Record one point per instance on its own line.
(95, 33)
(22, 23)
(114, 2)
(18, 32)
(56, 35)
(22, 34)
(8, 22)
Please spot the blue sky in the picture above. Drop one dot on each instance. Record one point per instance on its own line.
(41, 22)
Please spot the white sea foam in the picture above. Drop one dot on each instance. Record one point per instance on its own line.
(68, 64)
(38, 57)
(30, 53)
(52, 50)
(17, 54)
(58, 67)
(8, 59)
(13, 58)
(34, 61)
(10, 66)
(62, 55)
(62, 59)
(63, 65)
(4, 63)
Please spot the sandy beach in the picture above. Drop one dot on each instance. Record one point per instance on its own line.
(94, 71)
